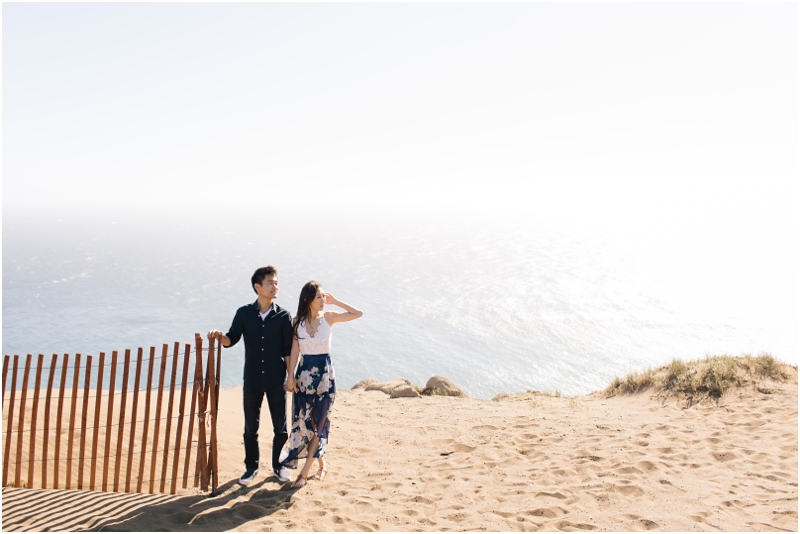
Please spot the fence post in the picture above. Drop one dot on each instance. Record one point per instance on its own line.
(134, 418)
(5, 375)
(170, 405)
(201, 420)
(10, 420)
(21, 428)
(197, 384)
(121, 431)
(143, 457)
(59, 417)
(84, 414)
(181, 414)
(216, 411)
(161, 372)
(32, 448)
(48, 399)
(73, 407)
(112, 386)
(212, 381)
(98, 398)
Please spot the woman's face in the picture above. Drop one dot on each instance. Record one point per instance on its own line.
(319, 301)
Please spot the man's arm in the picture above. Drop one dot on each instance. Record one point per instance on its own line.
(234, 334)
(289, 351)
(291, 362)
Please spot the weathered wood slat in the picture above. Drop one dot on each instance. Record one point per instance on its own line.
(212, 380)
(112, 387)
(5, 375)
(121, 431)
(146, 418)
(98, 398)
(202, 404)
(156, 427)
(196, 388)
(59, 417)
(134, 417)
(47, 402)
(34, 417)
(21, 424)
(73, 407)
(84, 418)
(10, 420)
(181, 414)
(170, 405)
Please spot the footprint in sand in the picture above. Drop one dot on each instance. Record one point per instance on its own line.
(556, 495)
(630, 490)
(647, 466)
(364, 506)
(629, 471)
(649, 525)
(551, 512)
(567, 526)
(421, 499)
(726, 456)
(457, 517)
(317, 513)
(463, 447)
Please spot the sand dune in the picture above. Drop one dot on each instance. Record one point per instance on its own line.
(528, 462)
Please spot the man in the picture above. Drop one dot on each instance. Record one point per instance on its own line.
(267, 331)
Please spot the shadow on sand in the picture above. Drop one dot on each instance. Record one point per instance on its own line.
(26, 510)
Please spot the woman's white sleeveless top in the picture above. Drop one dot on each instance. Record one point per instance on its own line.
(320, 343)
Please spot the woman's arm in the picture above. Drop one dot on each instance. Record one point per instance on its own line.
(338, 317)
(291, 362)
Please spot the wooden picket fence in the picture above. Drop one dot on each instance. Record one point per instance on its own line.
(34, 463)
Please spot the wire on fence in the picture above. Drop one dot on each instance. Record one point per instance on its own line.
(147, 451)
(121, 362)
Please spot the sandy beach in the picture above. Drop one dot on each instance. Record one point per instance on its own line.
(521, 462)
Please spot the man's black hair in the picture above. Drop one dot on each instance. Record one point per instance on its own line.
(261, 273)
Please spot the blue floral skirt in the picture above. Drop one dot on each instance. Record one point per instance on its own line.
(311, 407)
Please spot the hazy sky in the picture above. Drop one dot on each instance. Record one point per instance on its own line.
(628, 108)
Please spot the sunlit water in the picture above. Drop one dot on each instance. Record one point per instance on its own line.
(495, 303)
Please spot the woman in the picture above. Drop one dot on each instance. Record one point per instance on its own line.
(314, 383)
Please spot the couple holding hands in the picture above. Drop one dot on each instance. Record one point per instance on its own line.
(276, 346)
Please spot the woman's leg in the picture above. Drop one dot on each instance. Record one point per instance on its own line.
(303, 475)
(323, 470)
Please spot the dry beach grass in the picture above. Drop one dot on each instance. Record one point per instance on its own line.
(637, 456)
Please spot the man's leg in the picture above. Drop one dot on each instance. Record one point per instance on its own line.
(252, 414)
(276, 399)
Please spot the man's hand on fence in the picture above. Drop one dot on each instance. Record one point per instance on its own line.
(214, 335)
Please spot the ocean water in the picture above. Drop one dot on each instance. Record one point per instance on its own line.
(495, 302)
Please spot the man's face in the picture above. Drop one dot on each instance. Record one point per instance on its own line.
(268, 288)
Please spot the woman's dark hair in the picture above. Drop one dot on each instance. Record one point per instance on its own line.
(260, 274)
(307, 294)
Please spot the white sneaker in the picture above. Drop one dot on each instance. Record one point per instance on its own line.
(248, 477)
(282, 474)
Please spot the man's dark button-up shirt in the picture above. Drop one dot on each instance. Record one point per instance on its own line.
(266, 343)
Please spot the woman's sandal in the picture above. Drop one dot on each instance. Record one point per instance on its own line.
(319, 475)
(297, 484)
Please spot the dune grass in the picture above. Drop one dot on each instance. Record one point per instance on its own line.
(712, 376)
